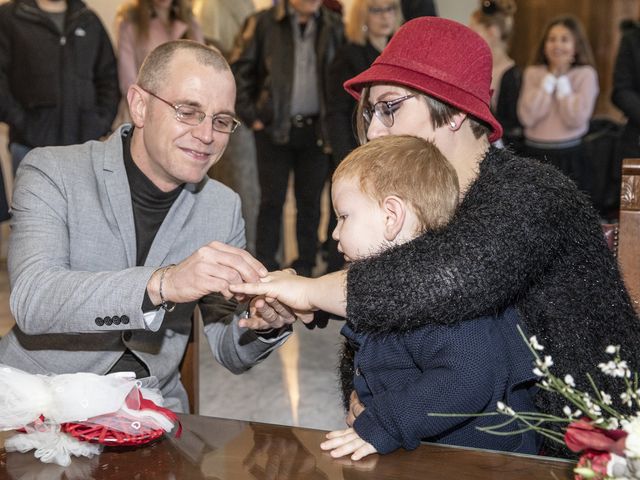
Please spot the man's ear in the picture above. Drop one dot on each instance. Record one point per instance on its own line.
(137, 101)
(395, 210)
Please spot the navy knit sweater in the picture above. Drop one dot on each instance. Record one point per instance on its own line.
(446, 369)
(523, 236)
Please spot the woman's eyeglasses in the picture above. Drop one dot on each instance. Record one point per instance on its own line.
(384, 110)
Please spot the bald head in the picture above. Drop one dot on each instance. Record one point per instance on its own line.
(155, 68)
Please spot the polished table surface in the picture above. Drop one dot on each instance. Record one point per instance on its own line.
(213, 448)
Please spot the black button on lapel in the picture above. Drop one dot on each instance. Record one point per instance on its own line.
(99, 321)
(126, 336)
(108, 321)
(124, 319)
(116, 320)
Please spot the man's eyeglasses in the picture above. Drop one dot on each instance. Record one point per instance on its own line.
(221, 122)
(384, 110)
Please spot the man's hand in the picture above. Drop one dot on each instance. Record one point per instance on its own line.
(347, 442)
(265, 313)
(356, 407)
(209, 269)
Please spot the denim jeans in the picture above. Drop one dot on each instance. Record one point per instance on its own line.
(18, 152)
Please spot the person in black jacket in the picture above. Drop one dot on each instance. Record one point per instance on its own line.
(369, 26)
(280, 68)
(58, 74)
(626, 89)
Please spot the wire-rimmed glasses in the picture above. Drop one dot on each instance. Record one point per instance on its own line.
(190, 115)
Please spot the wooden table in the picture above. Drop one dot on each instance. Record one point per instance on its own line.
(213, 448)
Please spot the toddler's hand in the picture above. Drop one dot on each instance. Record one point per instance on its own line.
(347, 442)
(284, 286)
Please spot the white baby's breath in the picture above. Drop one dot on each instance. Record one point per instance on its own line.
(533, 341)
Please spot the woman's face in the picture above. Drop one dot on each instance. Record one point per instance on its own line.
(382, 17)
(560, 46)
(411, 117)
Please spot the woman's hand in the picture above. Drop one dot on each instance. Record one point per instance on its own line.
(347, 442)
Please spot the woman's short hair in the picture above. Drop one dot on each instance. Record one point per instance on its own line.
(441, 113)
(584, 54)
(356, 23)
(409, 167)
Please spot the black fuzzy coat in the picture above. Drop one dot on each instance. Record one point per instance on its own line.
(523, 236)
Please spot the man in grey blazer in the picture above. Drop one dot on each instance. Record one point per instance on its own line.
(114, 243)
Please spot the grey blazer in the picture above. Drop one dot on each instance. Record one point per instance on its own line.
(72, 264)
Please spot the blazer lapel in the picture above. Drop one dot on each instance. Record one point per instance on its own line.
(119, 195)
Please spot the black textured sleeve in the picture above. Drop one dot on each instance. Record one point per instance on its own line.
(506, 232)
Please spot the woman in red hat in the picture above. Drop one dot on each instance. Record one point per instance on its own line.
(522, 234)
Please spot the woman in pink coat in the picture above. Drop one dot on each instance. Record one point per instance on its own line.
(145, 24)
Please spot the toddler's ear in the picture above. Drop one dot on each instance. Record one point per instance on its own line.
(395, 210)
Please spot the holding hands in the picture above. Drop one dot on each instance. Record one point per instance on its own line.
(211, 268)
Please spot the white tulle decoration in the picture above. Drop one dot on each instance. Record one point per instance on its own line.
(104, 400)
(51, 446)
(59, 398)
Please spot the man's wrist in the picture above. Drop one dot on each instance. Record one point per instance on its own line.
(157, 288)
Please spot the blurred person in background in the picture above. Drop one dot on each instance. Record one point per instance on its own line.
(418, 8)
(557, 98)
(370, 25)
(493, 21)
(626, 88)
(58, 78)
(142, 25)
(221, 22)
(281, 68)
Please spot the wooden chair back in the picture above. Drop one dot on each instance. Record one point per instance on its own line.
(190, 364)
(629, 228)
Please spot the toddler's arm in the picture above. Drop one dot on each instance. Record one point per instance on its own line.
(301, 293)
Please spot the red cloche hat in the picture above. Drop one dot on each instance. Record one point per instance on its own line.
(441, 58)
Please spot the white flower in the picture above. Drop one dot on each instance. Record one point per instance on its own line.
(626, 398)
(548, 362)
(538, 372)
(533, 341)
(632, 442)
(606, 398)
(502, 408)
(613, 369)
(613, 349)
(568, 379)
(567, 411)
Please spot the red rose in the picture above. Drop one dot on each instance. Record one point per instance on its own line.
(597, 462)
(582, 435)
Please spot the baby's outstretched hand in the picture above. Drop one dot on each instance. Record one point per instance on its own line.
(283, 285)
(347, 442)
